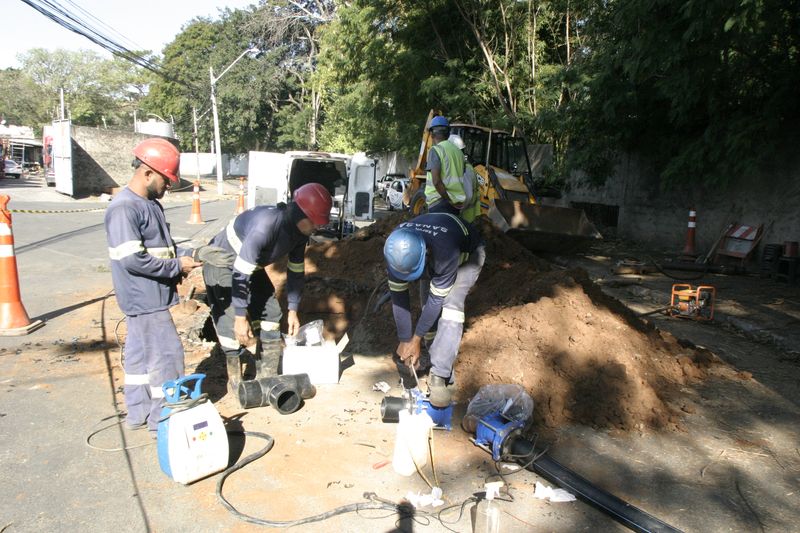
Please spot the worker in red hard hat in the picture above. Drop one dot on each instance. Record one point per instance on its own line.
(241, 295)
(146, 268)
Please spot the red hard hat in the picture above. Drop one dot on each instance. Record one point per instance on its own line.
(160, 155)
(315, 201)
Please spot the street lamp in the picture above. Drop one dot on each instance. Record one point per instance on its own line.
(217, 144)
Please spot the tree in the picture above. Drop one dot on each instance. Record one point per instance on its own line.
(704, 89)
(22, 101)
(97, 91)
(244, 93)
(291, 30)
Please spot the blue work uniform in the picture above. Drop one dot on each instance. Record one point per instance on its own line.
(454, 258)
(255, 239)
(145, 270)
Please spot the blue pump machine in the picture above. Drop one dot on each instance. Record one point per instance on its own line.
(415, 401)
(192, 441)
(493, 433)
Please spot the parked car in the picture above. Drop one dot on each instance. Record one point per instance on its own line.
(383, 184)
(12, 169)
(394, 194)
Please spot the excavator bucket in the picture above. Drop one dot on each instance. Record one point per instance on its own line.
(544, 228)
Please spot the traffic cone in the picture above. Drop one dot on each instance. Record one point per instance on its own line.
(240, 204)
(195, 218)
(689, 249)
(13, 317)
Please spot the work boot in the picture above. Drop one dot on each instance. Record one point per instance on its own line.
(269, 363)
(439, 391)
(234, 372)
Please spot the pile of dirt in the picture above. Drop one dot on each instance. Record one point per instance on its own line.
(582, 356)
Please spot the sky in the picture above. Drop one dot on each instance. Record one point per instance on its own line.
(151, 24)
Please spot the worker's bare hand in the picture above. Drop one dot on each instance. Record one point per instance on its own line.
(188, 264)
(292, 323)
(241, 328)
(409, 351)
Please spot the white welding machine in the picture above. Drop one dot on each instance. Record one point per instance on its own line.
(192, 441)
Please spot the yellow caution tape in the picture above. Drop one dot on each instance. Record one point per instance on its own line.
(45, 211)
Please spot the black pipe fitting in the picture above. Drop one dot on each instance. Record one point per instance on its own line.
(284, 393)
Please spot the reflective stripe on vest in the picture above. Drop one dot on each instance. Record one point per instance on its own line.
(239, 264)
(134, 247)
(452, 168)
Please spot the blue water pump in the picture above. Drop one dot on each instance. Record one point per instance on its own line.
(192, 441)
(493, 432)
(417, 402)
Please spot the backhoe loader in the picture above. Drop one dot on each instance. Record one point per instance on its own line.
(506, 191)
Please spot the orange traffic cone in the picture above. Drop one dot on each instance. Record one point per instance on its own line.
(240, 204)
(689, 249)
(13, 317)
(195, 217)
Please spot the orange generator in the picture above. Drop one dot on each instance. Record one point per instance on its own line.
(696, 303)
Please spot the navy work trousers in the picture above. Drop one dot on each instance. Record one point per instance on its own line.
(153, 355)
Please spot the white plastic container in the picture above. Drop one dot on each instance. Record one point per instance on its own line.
(411, 442)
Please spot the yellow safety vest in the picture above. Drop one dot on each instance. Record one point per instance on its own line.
(452, 160)
(471, 211)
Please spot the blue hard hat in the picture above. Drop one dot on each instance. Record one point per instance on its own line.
(439, 121)
(405, 254)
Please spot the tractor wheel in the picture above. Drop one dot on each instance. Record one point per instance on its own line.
(418, 206)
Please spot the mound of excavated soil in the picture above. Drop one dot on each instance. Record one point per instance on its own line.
(582, 356)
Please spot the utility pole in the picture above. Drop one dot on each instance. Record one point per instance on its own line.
(217, 143)
(196, 148)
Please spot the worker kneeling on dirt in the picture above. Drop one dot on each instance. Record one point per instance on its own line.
(238, 288)
(444, 189)
(146, 267)
(447, 255)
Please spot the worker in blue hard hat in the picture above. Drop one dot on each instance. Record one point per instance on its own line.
(446, 254)
(444, 189)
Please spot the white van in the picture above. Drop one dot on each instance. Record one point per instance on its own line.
(273, 178)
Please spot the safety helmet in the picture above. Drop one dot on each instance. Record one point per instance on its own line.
(439, 122)
(315, 201)
(405, 254)
(160, 155)
(457, 140)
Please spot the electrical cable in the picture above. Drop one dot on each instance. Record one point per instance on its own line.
(67, 19)
(117, 423)
(373, 502)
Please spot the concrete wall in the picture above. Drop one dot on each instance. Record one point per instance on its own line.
(648, 215)
(101, 158)
(392, 163)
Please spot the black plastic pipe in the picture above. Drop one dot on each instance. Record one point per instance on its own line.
(626, 514)
(283, 393)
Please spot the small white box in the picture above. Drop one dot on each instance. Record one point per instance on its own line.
(321, 363)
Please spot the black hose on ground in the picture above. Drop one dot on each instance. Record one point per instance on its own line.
(372, 501)
(626, 514)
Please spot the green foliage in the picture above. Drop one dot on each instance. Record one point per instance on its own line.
(97, 91)
(704, 89)
(22, 101)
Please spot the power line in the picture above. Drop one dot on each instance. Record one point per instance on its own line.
(62, 16)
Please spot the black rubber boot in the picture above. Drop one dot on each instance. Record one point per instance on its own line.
(234, 366)
(268, 365)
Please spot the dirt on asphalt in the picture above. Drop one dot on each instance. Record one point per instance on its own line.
(583, 356)
(701, 433)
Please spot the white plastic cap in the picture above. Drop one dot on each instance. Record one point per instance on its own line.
(492, 489)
